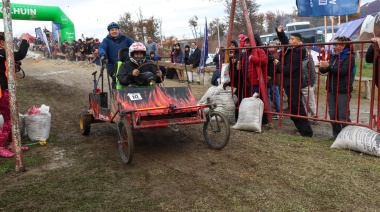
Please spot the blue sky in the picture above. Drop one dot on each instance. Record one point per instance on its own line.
(91, 17)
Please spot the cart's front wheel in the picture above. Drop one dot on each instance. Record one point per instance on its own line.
(85, 122)
(216, 130)
(125, 141)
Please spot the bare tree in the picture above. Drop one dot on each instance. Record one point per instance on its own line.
(239, 21)
(127, 25)
(193, 23)
(140, 26)
(213, 28)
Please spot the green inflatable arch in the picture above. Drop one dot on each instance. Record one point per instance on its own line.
(44, 13)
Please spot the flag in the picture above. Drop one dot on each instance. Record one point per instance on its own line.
(55, 32)
(348, 29)
(204, 53)
(326, 7)
(42, 36)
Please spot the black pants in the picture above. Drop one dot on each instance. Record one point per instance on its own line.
(294, 100)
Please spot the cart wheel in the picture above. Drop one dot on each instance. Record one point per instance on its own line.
(216, 130)
(125, 141)
(85, 120)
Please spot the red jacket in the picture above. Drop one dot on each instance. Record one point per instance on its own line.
(261, 60)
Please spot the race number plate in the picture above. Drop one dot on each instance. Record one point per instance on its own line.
(134, 96)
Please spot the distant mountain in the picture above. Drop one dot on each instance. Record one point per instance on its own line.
(370, 8)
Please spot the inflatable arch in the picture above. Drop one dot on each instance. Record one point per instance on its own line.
(43, 13)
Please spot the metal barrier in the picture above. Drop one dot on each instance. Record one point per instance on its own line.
(346, 88)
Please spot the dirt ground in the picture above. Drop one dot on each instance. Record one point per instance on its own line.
(175, 170)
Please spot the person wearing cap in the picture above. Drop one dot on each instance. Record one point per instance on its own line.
(241, 39)
(291, 70)
(6, 128)
(110, 46)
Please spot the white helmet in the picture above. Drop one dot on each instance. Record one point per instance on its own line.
(137, 47)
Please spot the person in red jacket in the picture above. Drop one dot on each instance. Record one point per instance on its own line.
(6, 128)
(256, 58)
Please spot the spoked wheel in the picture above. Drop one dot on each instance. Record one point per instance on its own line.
(125, 141)
(216, 130)
(85, 120)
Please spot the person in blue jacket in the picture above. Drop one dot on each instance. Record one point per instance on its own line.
(110, 46)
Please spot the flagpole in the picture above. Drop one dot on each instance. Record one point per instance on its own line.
(325, 20)
(218, 36)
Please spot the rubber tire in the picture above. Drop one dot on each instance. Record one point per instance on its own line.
(223, 121)
(85, 120)
(125, 141)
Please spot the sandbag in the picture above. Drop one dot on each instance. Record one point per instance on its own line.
(224, 75)
(225, 104)
(360, 139)
(21, 123)
(38, 125)
(250, 114)
(209, 93)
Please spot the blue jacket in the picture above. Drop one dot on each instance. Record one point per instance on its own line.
(110, 47)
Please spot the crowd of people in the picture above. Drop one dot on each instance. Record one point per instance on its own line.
(285, 63)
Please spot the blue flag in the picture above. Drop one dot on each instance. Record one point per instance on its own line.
(204, 53)
(326, 7)
(55, 32)
(42, 36)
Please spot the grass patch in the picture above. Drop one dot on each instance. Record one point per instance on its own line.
(9, 164)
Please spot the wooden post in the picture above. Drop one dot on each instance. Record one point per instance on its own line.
(16, 137)
(230, 27)
(262, 83)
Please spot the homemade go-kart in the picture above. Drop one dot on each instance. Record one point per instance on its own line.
(156, 106)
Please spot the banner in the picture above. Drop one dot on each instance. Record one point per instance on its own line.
(369, 24)
(55, 32)
(204, 53)
(42, 36)
(326, 7)
(348, 29)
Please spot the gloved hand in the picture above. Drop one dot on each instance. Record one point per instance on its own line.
(104, 59)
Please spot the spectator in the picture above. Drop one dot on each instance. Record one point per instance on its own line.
(340, 69)
(195, 58)
(178, 57)
(157, 57)
(370, 57)
(151, 45)
(290, 67)
(187, 55)
(110, 46)
(216, 60)
(6, 128)
(241, 39)
(308, 96)
(274, 78)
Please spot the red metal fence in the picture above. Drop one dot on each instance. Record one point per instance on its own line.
(358, 110)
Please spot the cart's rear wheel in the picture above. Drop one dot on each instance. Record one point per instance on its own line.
(125, 141)
(20, 73)
(85, 122)
(216, 130)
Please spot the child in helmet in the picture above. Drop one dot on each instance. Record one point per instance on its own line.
(137, 71)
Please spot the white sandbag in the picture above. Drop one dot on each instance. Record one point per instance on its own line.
(360, 139)
(250, 114)
(209, 93)
(225, 104)
(38, 125)
(21, 123)
(225, 73)
(1, 120)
